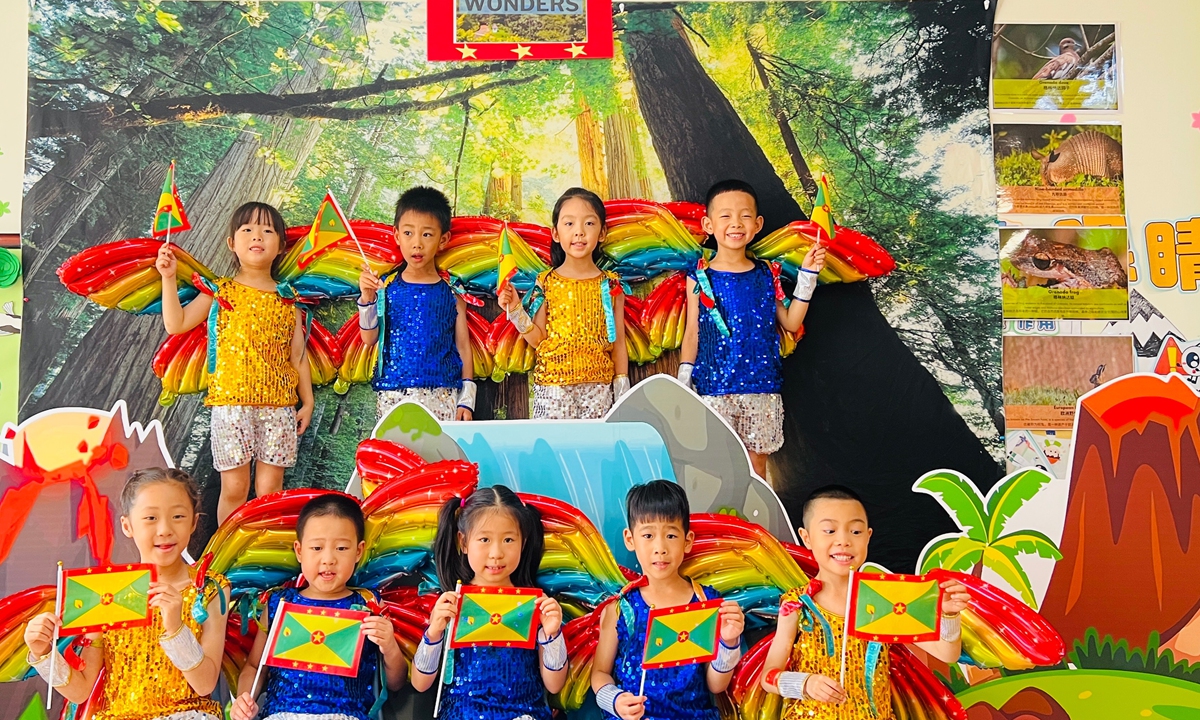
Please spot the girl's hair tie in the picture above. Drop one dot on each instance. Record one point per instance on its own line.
(462, 503)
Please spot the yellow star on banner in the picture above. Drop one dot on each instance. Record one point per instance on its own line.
(522, 51)
(576, 50)
(467, 52)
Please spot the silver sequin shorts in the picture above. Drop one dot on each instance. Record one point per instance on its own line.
(756, 418)
(585, 401)
(241, 433)
(440, 402)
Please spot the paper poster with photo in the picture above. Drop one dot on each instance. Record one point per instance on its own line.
(1065, 273)
(1048, 450)
(1059, 169)
(479, 30)
(1055, 67)
(1044, 376)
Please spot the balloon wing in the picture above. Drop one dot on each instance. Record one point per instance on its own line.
(851, 255)
(334, 273)
(472, 256)
(645, 239)
(15, 613)
(122, 275)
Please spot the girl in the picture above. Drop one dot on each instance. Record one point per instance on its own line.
(579, 331)
(168, 668)
(492, 539)
(258, 366)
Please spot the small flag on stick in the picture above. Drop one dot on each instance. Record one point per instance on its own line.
(170, 215)
(320, 640)
(496, 617)
(895, 608)
(508, 260)
(681, 635)
(106, 597)
(822, 212)
(328, 229)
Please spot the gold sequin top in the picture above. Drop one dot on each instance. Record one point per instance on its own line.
(809, 655)
(576, 348)
(254, 348)
(140, 681)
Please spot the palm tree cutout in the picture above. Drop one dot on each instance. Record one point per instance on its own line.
(983, 541)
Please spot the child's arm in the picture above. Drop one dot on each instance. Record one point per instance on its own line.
(176, 318)
(552, 646)
(729, 651)
(304, 384)
(954, 600)
(534, 330)
(244, 705)
(380, 631)
(198, 659)
(74, 685)
(794, 685)
(429, 652)
(462, 340)
(611, 698)
(368, 318)
(691, 335)
(791, 318)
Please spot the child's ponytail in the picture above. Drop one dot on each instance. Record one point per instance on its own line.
(533, 536)
(451, 563)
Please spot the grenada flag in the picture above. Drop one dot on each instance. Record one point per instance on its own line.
(107, 597)
(895, 608)
(681, 635)
(170, 216)
(496, 617)
(328, 229)
(508, 261)
(822, 212)
(314, 639)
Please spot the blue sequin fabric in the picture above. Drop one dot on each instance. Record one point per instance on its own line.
(748, 360)
(298, 691)
(416, 336)
(671, 693)
(494, 683)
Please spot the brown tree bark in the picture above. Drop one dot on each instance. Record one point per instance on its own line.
(624, 161)
(799, 164)
(590, 141)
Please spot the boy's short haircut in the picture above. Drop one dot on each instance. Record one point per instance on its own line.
(731, 185)
(829, 492)
(335, 505)
(430, 201)
(657, 500)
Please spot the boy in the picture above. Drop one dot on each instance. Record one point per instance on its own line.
(329, 543)
(804, 669)
(425, 351)
(658, 534)
(731, 351)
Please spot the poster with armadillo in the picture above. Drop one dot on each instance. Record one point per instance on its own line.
(1057, 169)
(1055, 67)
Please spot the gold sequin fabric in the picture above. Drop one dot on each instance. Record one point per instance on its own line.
(757, 418)
(241, 433)
(576, 348)
(586, 401)
(140, 681)
(809, 655)
(440, 402)
(254, 348)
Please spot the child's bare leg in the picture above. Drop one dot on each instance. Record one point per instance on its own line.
(235, 488)
(758, 462)
(268, 478)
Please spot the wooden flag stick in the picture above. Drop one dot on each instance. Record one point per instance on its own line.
(58, 608)
(846, 625)
(267, 648)
(642, 686)
(447, 638)
(349, 230)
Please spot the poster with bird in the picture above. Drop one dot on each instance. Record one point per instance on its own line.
(1055, 67)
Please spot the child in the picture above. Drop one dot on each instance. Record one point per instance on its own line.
(260, 363)
(579, 332)
(492, 539)
(658, 534)
(329, 543)
(425, 353)
(731, 351)
(168, 668)
(804, 667)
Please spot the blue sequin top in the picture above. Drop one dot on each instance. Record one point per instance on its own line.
(494, 683)
(671, 693)
(298, 691)
(416, 336)
(748, 360)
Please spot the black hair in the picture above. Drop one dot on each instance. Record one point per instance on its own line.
(459, 515)
(829, 492)
(658, 500)
(557, 255)
(249, 213)
(427, 200)
(148, 476)
(726, 186)
(332, 505)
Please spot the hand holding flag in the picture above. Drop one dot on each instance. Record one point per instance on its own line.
(895, 608)
(682, 635)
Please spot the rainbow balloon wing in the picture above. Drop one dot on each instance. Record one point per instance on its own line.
(15, 613)
(577, 568)
(509, 351)
(324, 354)
(664, 313)
(645, 239)
(381, 461)
(358, 358)
(334, 272)
(122, 275)
(637, 340)
(481, 357)
(473, 254)
(851, 255)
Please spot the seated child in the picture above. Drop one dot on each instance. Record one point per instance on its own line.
(804, 661)
(329, 543)
(658, 533)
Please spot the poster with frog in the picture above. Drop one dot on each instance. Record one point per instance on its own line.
(1064, 273)
(1059, 169)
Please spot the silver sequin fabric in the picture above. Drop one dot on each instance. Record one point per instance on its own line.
(241, 433)
(756, 418)
(440, 402)
(585, 401)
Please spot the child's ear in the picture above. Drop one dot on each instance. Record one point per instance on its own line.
(758, 224)
(362, 544)
(706, 225)
(296, 549)
(445, 239)
(461, 541)
(628, 539)
(804, 537)
(126, 528)
(688, 540)
(229, 242)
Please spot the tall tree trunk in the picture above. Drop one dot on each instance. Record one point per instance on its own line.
(591, 150)
(504, 196)
(860, 409)
(799, 164)
(623, 157)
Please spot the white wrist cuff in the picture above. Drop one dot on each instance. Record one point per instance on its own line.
(554, 652)
(620, 386)
(951, 629)
(791, 685)
(806, 282)
(727, 658)
(428, 656)
(368, 316)
(685, 373)
(62, 671)
(607, 698)
(183, 649)
(520, 319)
(466, 399)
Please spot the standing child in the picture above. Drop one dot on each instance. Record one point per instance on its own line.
(579, 331)
(168, 668)
(258, 367)
(425, 350)
(658, 534)
(329, 543)
(731, 350)
(492, 539)
(803, 664)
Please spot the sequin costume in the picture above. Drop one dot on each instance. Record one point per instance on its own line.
(140, 681)
(818, 650)
(495, 683)
(442, 403)
(671, 693)
(416, 336)
(311, 693)
(576, 348)
(253, 348)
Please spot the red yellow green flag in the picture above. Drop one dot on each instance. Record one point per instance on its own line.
(822, 213)
(895, 608)
(503, 617)
(170, 216)
(328, 229)
(681, 635)
(107, 597)
(508, 260)
(314, 639)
